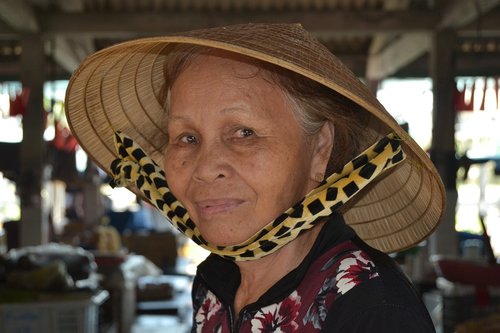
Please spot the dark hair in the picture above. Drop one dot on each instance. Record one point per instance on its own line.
(312, 102)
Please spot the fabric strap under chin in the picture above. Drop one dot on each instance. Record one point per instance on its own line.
(135, 168)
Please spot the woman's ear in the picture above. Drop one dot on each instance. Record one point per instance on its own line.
(322, 149)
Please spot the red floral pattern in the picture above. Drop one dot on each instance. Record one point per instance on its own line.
(305, 309)
(353, 270)
(208, 316)
(279, 318)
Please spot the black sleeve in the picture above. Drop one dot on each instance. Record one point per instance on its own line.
(384, 318)
(388, 303)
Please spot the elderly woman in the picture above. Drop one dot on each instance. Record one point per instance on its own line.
(259, 145)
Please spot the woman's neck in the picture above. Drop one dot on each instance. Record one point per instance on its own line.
(257, 276)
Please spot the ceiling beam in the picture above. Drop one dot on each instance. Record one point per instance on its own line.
(10, 69)
(20, 18)
(133, 24)
(466, 65)
(322, 23)
(73, 30)
(487, 25)
(380, 41)
(401, 52)
(409, 47)
(69, 53)
(71, 6)
(18, 15)
(465, 11)
(6, 31)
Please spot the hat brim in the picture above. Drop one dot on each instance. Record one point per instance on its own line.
(118, 88)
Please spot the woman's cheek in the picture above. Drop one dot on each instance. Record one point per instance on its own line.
(171, 165)
(174, 158)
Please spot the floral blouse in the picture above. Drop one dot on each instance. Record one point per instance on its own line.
(301, 302)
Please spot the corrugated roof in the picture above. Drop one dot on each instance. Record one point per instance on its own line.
(358, 31)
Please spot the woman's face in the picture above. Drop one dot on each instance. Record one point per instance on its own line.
(236, 157)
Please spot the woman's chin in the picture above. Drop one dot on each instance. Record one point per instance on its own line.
(225, 231)
(224, 239)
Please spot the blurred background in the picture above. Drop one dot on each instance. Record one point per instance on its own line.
(76, 255)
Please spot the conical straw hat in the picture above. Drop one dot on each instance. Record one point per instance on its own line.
(119, 88)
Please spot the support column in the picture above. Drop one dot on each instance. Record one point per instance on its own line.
(373, 85)
(34, 217)
(92, 197)
(442, 68)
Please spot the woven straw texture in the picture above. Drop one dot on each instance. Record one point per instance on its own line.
(119, 88)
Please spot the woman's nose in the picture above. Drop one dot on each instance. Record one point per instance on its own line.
(211, 162)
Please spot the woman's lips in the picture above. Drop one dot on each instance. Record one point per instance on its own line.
(208, 208)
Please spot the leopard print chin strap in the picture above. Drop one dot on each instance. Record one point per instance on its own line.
(135, 168)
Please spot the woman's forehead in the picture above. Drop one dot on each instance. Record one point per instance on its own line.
(227, 87)
(213, 75)
(226, 63)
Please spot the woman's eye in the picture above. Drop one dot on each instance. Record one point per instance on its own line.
(189, 139)
(245, 132)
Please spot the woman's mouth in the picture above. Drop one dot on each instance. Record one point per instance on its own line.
(212, 207)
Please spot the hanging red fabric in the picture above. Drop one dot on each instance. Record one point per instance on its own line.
(17, 104)
(472, 98)
(63, 139)
(459, 99)
(483, 98)
(460, 102)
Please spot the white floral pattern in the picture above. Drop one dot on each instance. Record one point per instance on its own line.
(211, 305)
(354, 269)
(278, 318)
(304, 310)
